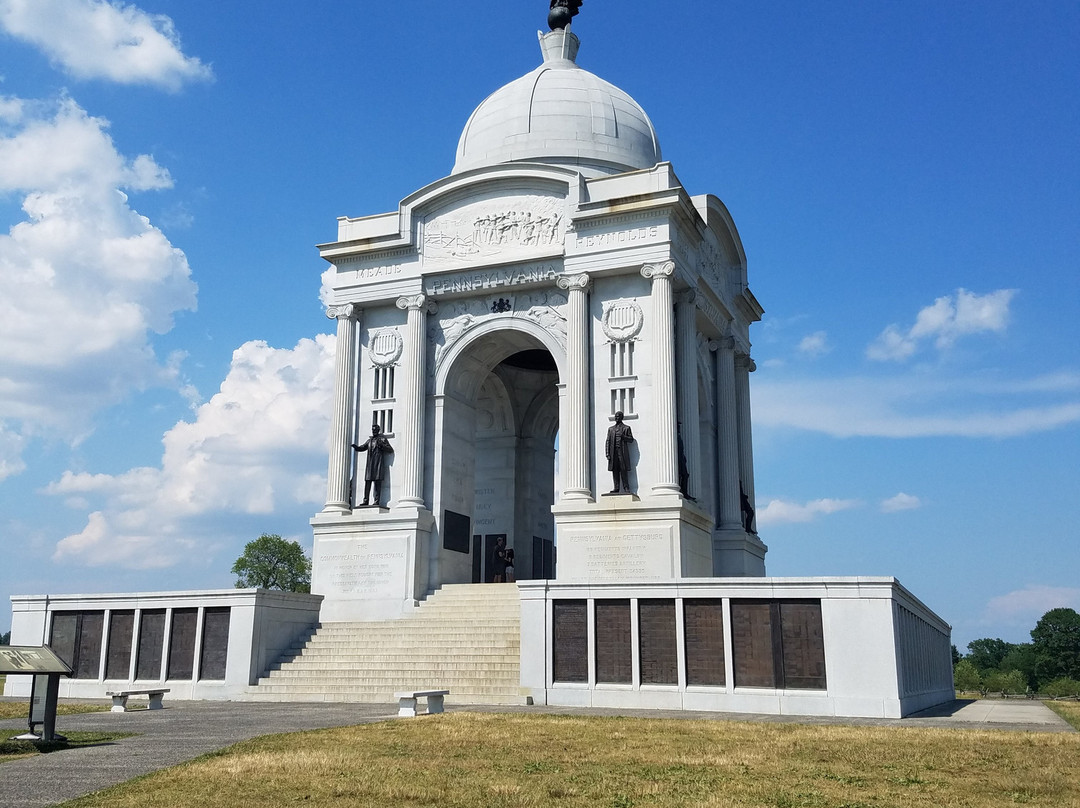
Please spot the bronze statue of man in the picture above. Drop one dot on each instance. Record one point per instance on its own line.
(376, 446)
(561, 13)
(617, 449)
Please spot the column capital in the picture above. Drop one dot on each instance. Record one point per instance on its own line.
(346, 311)
(686, 297)
(419, 302)
(724, 343)
(664, 270)
(574, 283)
(743, 360)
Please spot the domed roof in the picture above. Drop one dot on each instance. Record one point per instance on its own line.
(559, 114)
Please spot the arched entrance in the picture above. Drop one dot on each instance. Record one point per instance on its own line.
(497, 416)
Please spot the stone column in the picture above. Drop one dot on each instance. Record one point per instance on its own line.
(665, 446)
(574, 426)
(342, 423)
(686, 350)
(410, 449)
(727, 435)
(744, 366)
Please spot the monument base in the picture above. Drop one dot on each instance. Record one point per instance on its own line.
(370, 564)
(624, 538)
(737, 553)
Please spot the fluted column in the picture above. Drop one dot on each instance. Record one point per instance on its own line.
(727, 435)
(341, 425)
(686, 349)
(744, 366)
(410, 451)
(574, 428)
(665, 445)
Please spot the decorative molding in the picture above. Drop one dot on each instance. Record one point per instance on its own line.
(622, 320)
(544, 307)
(744, 360)
(664, 270)
(417, 303)
(578, 283)
(344, 311)
(385, 347)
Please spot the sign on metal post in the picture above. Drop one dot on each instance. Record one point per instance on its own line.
(46, 668)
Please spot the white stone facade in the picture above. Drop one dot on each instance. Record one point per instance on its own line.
(879, 652)
(145, 639)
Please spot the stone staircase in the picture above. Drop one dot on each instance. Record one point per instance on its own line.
(464, 638)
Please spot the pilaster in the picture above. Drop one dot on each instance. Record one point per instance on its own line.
(574, 440)
(411, 451)
(727, 434)
(341, 424)
(665, 442)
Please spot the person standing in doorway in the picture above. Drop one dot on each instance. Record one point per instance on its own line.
(498, 561)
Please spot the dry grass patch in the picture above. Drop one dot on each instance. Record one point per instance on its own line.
(469, 760)
(21, 709)
(1069, 710)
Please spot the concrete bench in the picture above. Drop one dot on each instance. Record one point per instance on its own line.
(120, 698)
(407, 701)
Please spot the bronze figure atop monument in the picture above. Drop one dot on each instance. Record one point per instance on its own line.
(562, 11)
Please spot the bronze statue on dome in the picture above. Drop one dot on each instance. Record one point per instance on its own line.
(562, 11)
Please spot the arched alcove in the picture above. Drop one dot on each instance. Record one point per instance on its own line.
(496, 418)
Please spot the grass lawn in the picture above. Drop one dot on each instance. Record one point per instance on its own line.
(464, 759)
(1069, 710)
(14, 750)
(21, 709)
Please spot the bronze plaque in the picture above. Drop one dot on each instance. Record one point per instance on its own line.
(657, 643)
(182, 643)
(703, 621)
(151, 644)
(570, 641)
(752, 644)
(118, 655)
(613, 642)
(215, 643)
(456, 530)
(804, 644)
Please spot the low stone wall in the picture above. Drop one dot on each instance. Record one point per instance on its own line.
(200, 644)
(796, 646)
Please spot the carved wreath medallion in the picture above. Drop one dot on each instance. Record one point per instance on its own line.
(622, 320)
(386, 347)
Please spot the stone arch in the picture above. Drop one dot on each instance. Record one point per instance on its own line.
(496, 419)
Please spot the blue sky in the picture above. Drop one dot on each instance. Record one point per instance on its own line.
(905, 178)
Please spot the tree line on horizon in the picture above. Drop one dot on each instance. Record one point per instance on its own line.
(1049, 664)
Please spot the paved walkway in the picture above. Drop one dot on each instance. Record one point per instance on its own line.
(185, 730)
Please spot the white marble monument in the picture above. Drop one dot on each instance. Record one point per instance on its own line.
(499, 319)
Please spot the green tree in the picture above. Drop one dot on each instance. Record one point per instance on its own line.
(1021, 658)
(956, 655)
(1008, 682)
(966, 676)
(986, 654)
(1056, 639)
(271, 562)
(1063, 687)
(5, 639)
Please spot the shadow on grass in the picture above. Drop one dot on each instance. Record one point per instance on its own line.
(11, 750)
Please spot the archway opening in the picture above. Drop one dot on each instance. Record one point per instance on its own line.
(500, 417)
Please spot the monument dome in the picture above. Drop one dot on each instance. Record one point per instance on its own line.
(559, 114)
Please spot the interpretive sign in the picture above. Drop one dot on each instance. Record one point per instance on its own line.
(31, 659)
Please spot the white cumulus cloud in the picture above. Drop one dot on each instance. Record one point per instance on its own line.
(918, 405)
(84, 278)
(104, 39)
(816, 344)
(1024, 607)
(942, 322)
(900, 502)
(256, 450)
(778, 511)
